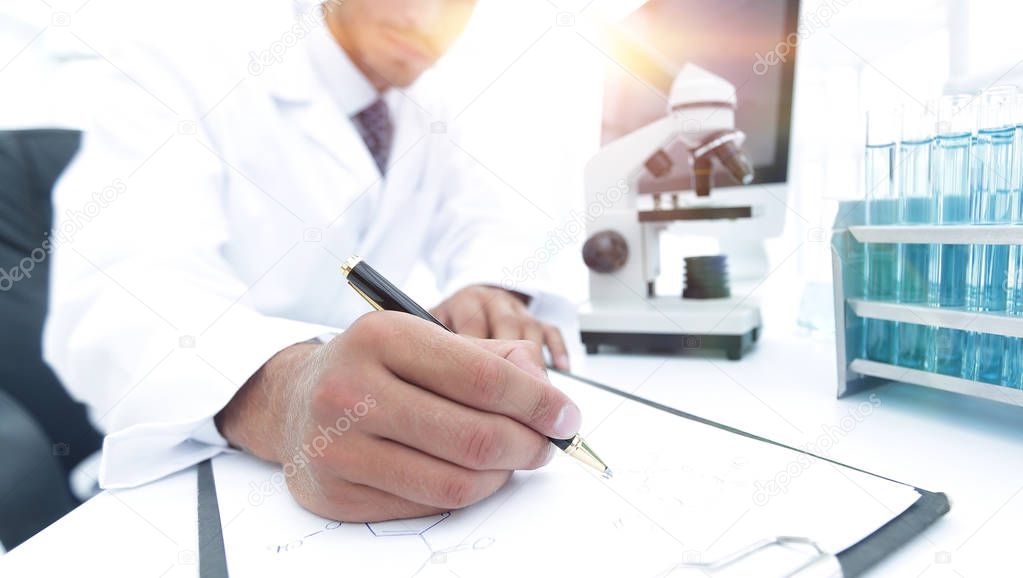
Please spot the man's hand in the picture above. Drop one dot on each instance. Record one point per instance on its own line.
(489, 312)
(398, 418)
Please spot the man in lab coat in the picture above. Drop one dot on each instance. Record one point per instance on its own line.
(242, 151)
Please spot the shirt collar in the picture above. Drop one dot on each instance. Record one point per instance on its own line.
(345, 83)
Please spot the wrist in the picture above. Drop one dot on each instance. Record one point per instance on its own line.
(255, 419)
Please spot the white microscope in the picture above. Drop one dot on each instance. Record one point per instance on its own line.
(625, 228)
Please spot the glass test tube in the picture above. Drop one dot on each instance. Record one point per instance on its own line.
(990, 204)
(882, 209)
(916, 207)
(1012, 370)
(950, 180)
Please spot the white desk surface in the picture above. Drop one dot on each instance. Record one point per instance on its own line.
(970, 449)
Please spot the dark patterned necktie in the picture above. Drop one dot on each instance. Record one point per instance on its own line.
(377, 131)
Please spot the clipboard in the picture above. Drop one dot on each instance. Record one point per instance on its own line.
(791, 556)
(852, 562)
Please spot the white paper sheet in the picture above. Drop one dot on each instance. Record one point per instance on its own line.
(682, 492)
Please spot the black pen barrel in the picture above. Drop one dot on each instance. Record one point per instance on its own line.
(383, 293)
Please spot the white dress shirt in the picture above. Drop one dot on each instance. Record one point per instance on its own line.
(201, 227)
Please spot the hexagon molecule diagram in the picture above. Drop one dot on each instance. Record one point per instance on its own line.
(412, 527)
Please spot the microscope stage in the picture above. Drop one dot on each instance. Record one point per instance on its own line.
(672, 324)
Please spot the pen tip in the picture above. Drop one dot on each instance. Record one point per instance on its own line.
(608, 474)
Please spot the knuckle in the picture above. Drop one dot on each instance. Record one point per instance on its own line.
(481, 447)
(476, 319)
(323, 400)
(456, 491)
(506, 320)
(489, 380)
(330, 395)
(371, 327)
(534, 349)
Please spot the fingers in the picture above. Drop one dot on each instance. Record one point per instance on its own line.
(457, 434)
(442, 315)
(414, 476)
(507, 317)
(469, 316)
(556, 345)
(342, 500)
(540, 334)
(495, 313)
(465, 373)
(526, 355)
(533, 331)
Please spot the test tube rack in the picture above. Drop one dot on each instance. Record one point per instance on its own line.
(855, 373)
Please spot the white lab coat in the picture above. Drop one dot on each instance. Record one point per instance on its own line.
(201, 227)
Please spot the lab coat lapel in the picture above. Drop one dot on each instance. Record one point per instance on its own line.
(303, 101)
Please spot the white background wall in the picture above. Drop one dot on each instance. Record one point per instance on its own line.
(528, 81)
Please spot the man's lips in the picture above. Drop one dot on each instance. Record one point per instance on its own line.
(408, 48)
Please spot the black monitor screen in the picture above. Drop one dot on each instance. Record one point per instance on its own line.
(750, 43)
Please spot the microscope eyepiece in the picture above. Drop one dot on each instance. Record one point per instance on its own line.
(736, 161)
(725, 147)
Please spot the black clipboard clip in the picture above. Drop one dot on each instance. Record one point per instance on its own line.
(782, 556)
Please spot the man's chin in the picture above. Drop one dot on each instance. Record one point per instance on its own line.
(404, 78)
(399, 74)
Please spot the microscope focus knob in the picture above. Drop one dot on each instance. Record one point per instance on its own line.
(606, 251)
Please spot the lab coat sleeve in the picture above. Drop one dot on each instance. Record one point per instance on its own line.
(148, 324)
(477, 238)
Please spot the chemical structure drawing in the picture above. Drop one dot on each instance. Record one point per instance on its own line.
(295, 544)
(411, 528)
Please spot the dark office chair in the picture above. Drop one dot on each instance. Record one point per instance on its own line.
(43, 432)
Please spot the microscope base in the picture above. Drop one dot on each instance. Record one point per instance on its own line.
(672, 325)
(734, 346)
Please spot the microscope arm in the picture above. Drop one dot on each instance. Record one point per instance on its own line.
(625, 158)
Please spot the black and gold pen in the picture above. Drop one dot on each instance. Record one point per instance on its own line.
(382, 295)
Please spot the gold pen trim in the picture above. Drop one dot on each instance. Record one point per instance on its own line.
(350, 264)
(366, 297)
(581, 451)
(346, 270)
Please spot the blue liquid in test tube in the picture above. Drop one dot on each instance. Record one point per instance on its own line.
(1012, 371)
(882, 209)
(916, 207)
(991, 203)
(950, 180)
